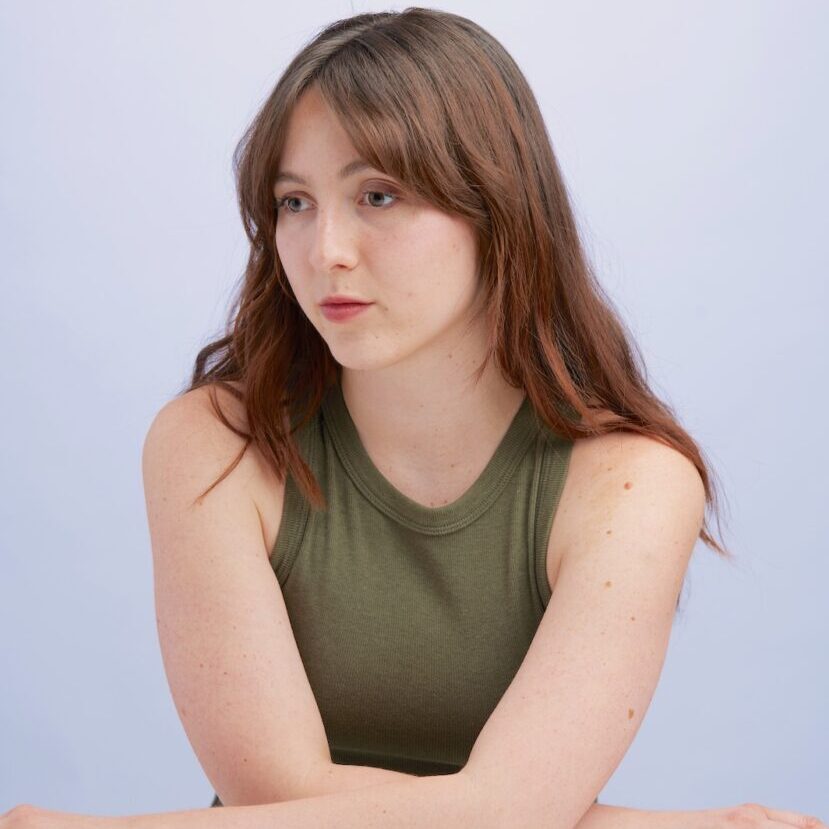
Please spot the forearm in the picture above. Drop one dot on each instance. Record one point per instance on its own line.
(602, 816)
(333, 778)
(339, 778)
(336, 777)
(449, 801)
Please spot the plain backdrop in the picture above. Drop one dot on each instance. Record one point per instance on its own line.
(693, 138)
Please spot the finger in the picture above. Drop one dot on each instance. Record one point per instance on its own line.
(788, 818)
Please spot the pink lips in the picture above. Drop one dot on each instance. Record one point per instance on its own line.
(341, 311)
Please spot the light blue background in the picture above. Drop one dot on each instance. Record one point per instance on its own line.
(693, 137)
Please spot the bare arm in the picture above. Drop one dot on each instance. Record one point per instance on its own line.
(452, 801)
(339, 778)
(233, 666)
(448, 801)
(227, 642)
(409, 802)
(576, 702)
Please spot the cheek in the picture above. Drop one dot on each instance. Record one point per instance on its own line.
(283, 250)
(290, 261)
(425, 310)
(429, 287)
(288, 245)
(444, 250)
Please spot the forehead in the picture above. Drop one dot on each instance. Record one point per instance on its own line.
(312, 128)
(357, 165)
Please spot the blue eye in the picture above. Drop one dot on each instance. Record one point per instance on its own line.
(280, 203)
(283, 202)
(381, 193)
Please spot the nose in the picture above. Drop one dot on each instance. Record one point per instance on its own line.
(335, 241)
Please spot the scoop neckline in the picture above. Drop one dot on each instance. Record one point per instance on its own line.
(385, 496)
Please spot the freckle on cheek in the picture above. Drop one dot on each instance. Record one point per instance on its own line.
(630, 713)
(608, 584)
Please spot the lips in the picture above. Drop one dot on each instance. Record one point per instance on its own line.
(341, 311)
(334, 304)
(343, 299)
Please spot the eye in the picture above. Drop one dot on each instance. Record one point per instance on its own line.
(285, 200)
(280, 203)
(379, 193)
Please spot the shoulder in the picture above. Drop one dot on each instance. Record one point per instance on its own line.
(606, 461)
(187, 440)
(624, 476)
(190, 421)
(634, 506)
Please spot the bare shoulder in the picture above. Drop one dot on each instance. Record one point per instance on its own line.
(188, 426)
(229, 653)
(604, 467)
(633, 515)
(189, 436)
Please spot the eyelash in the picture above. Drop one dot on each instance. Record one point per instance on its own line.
(279, 203)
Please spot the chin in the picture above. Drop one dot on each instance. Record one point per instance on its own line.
(368, 357)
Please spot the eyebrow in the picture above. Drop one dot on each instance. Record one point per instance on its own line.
(352, 167)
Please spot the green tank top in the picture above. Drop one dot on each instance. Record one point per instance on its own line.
(411, 621)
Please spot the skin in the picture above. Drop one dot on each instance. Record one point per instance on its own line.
(406, 364)
(407, 361)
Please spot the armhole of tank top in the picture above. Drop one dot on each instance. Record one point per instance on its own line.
(295, 509)
(552, 463)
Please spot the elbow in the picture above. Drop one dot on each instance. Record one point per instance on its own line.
(295, 781)
(310, 780)
(508, 806)
(487, 807)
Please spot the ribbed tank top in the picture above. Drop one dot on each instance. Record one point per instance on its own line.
(411, 621)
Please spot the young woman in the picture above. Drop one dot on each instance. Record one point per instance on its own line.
(420, 528)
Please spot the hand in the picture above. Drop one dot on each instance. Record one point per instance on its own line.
(33, 817)
(750, 816)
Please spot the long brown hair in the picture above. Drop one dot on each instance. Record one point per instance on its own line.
(434, 100)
